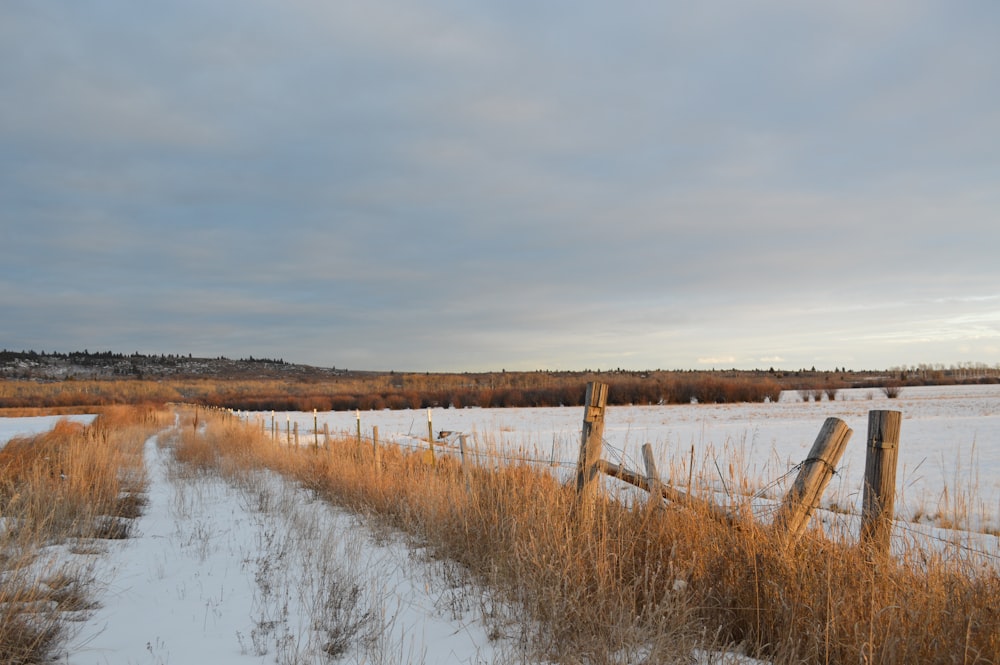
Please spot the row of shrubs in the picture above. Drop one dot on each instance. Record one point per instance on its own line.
(702, 389)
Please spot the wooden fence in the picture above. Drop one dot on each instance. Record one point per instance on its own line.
(796, 507)
(798, 504)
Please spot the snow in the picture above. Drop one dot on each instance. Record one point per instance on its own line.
(11, 428)
(223, 575)
(949, 455)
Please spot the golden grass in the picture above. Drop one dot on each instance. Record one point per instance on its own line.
(626, 580)
(69, 483)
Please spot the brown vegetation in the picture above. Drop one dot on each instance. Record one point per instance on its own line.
(406, 391)
(74, 482)
(632, 579)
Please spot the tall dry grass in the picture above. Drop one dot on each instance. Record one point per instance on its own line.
(626, 581)
(69, 485)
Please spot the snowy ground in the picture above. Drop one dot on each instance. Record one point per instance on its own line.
(264, 573)
(16, 427)
(949, 457)
(239, 575)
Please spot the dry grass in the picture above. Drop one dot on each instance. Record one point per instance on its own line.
(73, 482)
(630, 582)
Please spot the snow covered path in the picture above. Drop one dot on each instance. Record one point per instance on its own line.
(262, 573)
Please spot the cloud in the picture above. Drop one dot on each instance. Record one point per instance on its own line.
(434, 187)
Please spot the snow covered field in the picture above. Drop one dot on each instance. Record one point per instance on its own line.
(14, 427)
(949, 457)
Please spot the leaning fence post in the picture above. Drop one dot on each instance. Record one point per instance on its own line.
(652, 477)
(592, 437)
(879, 499)
(814, 475)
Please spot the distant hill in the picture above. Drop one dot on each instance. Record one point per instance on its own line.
(109, 365)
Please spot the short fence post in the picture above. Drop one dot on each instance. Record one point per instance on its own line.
(326, 435)
(357, 415)
(465, 462)
(376, 455)
(879, 499)
(814, 475)
(592, 437)
(296, 429)
(430, 435)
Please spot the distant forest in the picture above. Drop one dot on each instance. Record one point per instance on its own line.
(30, 379)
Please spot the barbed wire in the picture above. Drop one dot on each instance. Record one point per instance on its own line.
(839, 519)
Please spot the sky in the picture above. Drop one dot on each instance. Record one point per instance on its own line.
(448, 186)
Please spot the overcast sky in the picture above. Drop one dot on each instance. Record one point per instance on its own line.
(446, 185)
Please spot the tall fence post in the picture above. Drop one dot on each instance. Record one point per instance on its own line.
(315, 430)
(879, 499)
(592, 437)
(814, 475)
(288, 430)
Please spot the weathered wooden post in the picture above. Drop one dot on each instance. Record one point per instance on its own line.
(274, 429)
(315, 431)
(592, 438)
(288, 430)
(652, 476)
(430, 435)
(296, 429)
(357, 416)
(376, 455)
(878, 502)
(815, 473)
(465, 462)
(326, 435)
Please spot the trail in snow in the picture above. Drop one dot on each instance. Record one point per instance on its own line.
(262, 573)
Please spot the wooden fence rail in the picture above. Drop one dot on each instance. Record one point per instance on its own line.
(798, 504)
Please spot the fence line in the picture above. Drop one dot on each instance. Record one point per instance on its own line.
(620, 471)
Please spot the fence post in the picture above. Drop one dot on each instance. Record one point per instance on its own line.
(357, 415)
(296, 429)
(879, 499)
(465, 462)
(326, 435)
(288, 430)
(652, 477)
(430, 435)
(274, 429)
(376, 455)
(315, 431)
(592, 437)
(814, 475)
